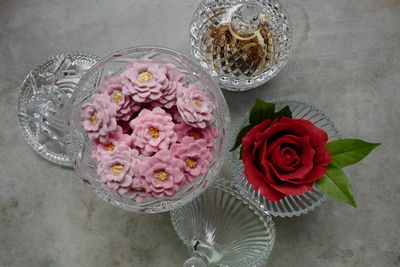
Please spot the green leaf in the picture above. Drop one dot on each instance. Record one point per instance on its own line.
(336, 185)
(261, 111)
(240, 136)
(284, 112)
(347, 152)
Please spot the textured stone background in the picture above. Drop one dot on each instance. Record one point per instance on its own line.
(346, 60)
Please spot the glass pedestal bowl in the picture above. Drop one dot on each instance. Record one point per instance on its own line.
(290, 205)
(80, 146)
(242, 43)
(222, 228)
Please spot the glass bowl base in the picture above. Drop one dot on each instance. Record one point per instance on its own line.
(222, 228)
(42, 101)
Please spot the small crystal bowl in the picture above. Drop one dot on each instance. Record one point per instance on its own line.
(80, 148)
(290, 205)
(222, 228)
(43, 98)
(242, 43)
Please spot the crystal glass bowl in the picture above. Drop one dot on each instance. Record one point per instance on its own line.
(290, 205)
(80, 146)
(222, 228)
(43, 98)
(242, 43)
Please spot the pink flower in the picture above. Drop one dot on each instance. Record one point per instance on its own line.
(114, 138)
(116, 169)
(144, 80)
(209, 134)
(162, 174)
(194, 106)
(175, 78)
(99, 117)
(112, 85)
(153, 131)
(194, 155)
(137, 190)
(176, 117)
(109, 84)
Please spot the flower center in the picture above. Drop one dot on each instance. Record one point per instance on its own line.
(195, 135)
(197, 102)
(288, 155)
(117, 97)
(145, 77)
(154, 132)
(109, 147)
(93, 119)
(190, 162)
(161, 175)
(117, 168)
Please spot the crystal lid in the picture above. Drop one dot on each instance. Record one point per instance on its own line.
(243, 43)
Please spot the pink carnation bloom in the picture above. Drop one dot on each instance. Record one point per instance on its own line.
(99, 117)
(116, 169)
(194, 106)
(144, 80)
(209, 134)
(194, 155)
(162, 174)
(112, 85)
(152, 131)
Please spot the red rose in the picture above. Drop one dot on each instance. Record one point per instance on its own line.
(284, 157)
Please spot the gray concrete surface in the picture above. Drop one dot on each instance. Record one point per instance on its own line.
(346, 60)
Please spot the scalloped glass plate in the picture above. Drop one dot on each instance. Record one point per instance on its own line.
(43, 98)
(222, 228)
(290, 205)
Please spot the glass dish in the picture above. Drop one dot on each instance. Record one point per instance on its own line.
(80, 146)
(222, 228)
(43, 99)
(242, 43)
(290, 205)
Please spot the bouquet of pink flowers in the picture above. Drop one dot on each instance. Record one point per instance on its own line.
(150, 130)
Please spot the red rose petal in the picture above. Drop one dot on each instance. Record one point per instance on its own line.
(260, 158)
(304, 167)
(315, 174)
(271, 194)
(292, 189)
(327, 158)
(305, 127)
(280, 163)
(318, 137)
(248, 141)
(290, 156)
(274, 128)
(256, 179)
(253, 175)
(263, 168)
